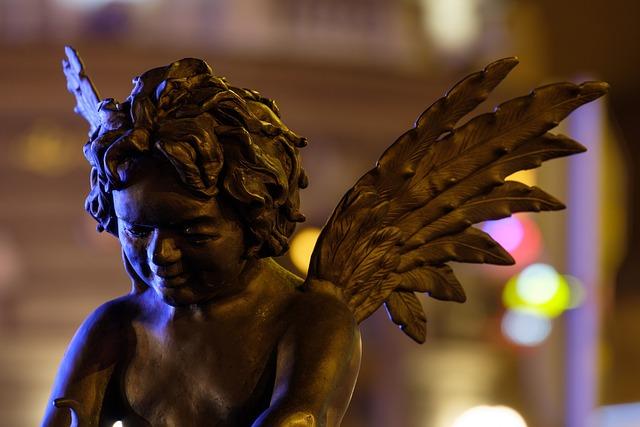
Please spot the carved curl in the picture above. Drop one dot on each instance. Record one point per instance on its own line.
(218, 138)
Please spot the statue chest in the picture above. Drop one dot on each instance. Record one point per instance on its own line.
(209, 377)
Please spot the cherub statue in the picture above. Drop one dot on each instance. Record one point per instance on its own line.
(199, 181)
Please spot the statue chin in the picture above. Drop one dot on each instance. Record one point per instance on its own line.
(185, 295)
(174, 299)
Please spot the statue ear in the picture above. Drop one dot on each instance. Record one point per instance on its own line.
(87, 99)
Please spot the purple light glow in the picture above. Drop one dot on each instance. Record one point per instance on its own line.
(509, 232)
(583, 262)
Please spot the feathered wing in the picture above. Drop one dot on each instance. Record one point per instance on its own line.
(79, 84)
(392, 234)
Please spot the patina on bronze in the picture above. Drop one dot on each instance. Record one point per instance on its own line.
(199, 181)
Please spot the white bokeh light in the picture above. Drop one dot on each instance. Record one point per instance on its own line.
(452, 24)
(490, 416)
(524, 328)
(538, 283)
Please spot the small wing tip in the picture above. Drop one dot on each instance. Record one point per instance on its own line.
(418, 336)
(457, 295)
(507, 259)
(507, 63)
(559, 206)
(511, 60)
(70, 51)
(579, 148)
(460, 298)
(72, 61)
(420, 340)
(600, 88)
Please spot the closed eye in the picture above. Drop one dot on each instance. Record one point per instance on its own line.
(138, 231)
(200, 239)
(199, 236)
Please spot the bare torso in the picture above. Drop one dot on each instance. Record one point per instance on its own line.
(241, 359)
(211, 367)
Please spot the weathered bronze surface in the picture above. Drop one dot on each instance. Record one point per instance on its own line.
(199, 181)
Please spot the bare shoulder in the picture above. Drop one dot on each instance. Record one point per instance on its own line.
(318, 363)
(323, 311)
(106, 324)
(89, 362)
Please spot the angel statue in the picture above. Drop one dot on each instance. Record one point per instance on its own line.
(199, 181)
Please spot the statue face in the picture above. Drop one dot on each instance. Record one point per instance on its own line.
(188, 249)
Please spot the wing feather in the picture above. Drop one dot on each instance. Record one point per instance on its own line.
(79, 84)
(438, 281)
(470, 245)
(394, 231)
(500, 202)
(406, 311)
(440, 118)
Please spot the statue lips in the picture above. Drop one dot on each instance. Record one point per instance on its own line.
(171, 279)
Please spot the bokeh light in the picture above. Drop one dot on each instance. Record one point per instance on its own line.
(509, 232)
(538, 283)
(48, 150)
(302, 246)
(525, 328)
(538, 289)
(452, 24)
(527, 177)
(518, 234)
(490, 416)
(577, 291)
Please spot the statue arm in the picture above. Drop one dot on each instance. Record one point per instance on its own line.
(86, 369)
(318, 363)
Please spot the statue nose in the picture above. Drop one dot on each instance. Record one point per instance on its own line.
(163, 249)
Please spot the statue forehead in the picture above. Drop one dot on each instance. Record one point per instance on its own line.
(154, 194)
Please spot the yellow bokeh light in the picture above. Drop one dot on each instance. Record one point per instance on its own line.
(538, 289)
(47, 149)
(302, 246)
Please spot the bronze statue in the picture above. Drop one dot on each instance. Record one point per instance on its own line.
(199, 181)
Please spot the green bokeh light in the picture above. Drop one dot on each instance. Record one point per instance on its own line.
(538, 289)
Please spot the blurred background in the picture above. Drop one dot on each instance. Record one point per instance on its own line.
(552, 341)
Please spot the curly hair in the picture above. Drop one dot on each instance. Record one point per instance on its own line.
(218, 138)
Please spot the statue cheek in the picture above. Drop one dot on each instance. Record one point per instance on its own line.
(137, 255)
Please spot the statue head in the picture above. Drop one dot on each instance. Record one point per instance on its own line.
(220, 141)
